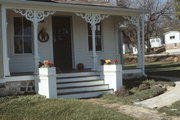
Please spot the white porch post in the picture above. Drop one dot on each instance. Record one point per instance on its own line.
(36, 56)
(143, 67)
(93, 28)
(93, 19)
(5, 42)
(138, 43)
(35, 16)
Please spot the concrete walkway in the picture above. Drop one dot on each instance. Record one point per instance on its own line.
(166, 99)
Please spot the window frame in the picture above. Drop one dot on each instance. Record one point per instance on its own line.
(21, 36)
(100, 35)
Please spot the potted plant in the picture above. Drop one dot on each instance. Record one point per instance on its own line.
(80, 66)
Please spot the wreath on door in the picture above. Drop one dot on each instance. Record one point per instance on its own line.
(43, 35)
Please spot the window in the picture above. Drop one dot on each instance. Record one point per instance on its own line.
(152, 41)
(98, 37)
(172, 37)
(22, 35)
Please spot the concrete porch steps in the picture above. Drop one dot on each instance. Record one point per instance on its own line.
(81, 85)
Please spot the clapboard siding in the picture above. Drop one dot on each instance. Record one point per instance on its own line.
(21, 64)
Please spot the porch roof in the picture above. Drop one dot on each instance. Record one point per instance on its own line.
(71, 7)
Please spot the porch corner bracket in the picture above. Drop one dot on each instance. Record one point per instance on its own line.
(34, 16)
(133, 19)
(92, 18)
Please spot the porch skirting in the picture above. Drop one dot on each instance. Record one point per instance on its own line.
(17, 88)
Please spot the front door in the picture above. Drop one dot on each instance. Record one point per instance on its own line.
(62, 42)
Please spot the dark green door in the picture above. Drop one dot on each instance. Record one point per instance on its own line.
(62, 42)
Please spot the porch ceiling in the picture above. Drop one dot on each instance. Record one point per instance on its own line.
(68, 7)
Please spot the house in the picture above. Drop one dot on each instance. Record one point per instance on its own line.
(155, 42)
(172, 41)
(65, 32)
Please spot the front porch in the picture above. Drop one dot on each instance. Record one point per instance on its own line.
(25, 57)
(66, 38)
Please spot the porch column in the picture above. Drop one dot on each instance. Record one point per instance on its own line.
(95, 61)
(35, 16)
(36, 55)
(143, 55)
(138, 44)
(120, 44)
(5, 42)
(136, 21)
(93, 19)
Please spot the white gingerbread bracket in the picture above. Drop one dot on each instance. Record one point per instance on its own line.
(35, 16)
(93, 19)
(133, 19)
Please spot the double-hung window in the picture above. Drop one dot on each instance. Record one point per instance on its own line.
(98, 37)
(22, 36)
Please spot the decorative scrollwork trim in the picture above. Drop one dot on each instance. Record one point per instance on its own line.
(133, 19)
(92, 18)
(34, 16)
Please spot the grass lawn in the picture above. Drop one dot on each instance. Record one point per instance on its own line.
(137, 92)
(36, 107)
(173, 110)
(163, 68)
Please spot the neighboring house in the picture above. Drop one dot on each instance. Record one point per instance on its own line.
(66, 33)
(172, 41)
(155, 42)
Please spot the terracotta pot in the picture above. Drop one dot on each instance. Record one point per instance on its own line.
(80, 66)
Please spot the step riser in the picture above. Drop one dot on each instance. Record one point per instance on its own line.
(78, 79)
(85, 95)
(80, 84)
(83, 89)
(64, 75)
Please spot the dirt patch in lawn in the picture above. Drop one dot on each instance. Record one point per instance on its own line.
(134, 111)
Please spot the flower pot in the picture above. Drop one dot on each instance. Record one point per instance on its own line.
(80, 66)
